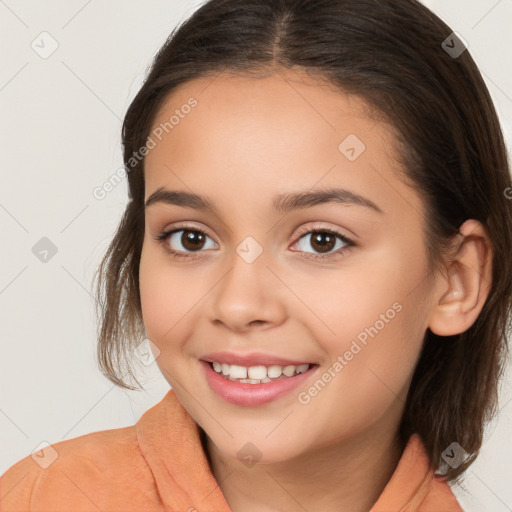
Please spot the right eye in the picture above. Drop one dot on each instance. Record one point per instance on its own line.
(184, 240)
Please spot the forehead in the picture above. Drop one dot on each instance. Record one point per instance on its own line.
(283, 132)
(290, 103)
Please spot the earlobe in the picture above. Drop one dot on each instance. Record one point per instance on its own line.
(466, 285)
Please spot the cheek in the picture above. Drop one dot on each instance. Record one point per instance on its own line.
(167, 295)
(367, 291)
(371, 363)
(373, 318)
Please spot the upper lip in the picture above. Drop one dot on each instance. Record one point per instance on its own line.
(250, 359)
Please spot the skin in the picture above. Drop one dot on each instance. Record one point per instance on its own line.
(246, 141)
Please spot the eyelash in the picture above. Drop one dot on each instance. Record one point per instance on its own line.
(350, 244)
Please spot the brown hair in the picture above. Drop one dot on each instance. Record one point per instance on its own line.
(391, 54)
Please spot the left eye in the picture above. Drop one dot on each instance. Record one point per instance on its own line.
(323, 240)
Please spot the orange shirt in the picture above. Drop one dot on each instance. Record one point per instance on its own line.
(159, 464)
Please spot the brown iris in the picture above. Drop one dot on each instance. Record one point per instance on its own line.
(192, 240)
(324, 240)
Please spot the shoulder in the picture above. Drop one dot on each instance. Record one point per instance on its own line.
(440, 494)
(73, 470)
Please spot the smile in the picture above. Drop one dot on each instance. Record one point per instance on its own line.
(255, 385)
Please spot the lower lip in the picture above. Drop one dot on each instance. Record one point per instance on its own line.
(240, 393)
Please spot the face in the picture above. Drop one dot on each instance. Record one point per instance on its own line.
(338, 284)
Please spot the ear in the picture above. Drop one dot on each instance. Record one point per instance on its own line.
(463, 291)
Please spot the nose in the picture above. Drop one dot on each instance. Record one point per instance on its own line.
(248, 296)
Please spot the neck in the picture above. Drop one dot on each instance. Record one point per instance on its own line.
(347, 475)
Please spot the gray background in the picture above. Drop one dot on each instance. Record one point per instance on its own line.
(60, 139)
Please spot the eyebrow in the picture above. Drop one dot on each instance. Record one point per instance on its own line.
(283, 203)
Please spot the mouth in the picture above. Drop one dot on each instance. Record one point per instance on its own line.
(257, 374)
(255, 385)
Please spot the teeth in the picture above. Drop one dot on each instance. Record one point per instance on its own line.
(257, 374)
(274, 371)
(289, 370)
(238, 372)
